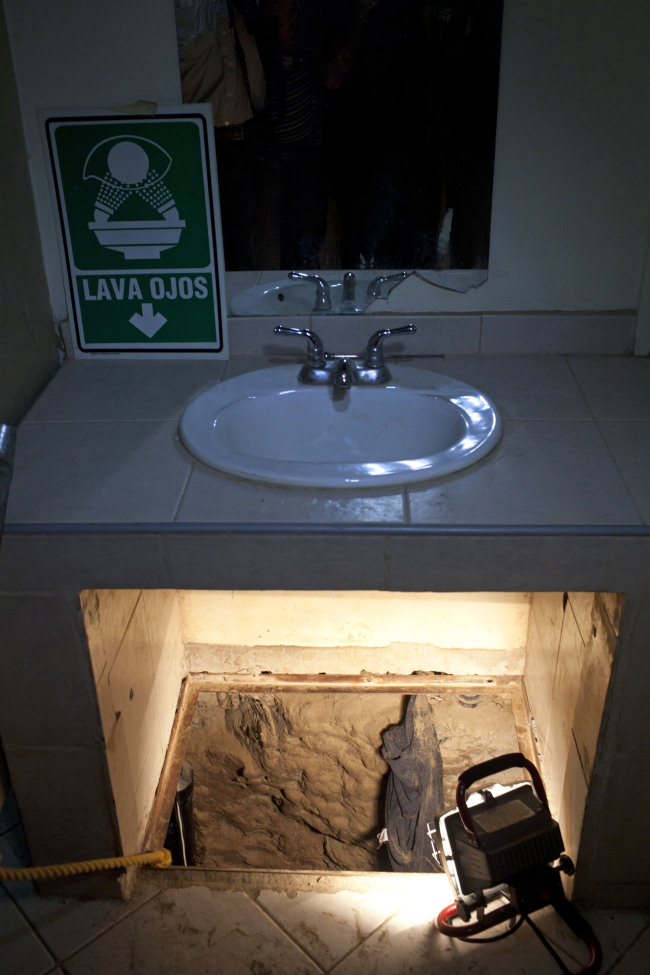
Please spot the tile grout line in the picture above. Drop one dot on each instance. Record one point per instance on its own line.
(177, 507)
(612, 969)
(81, 947)
(363, 941)
(28, 923)
(603, 439)
(284, 931)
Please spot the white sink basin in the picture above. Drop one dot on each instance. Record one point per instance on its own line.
(268, 426)
(297, 297)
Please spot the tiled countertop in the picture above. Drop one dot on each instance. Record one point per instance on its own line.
(100, 448)
(99, 453)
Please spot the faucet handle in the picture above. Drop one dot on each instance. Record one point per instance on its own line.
(374, 358)
(323, 300)
(316, 354)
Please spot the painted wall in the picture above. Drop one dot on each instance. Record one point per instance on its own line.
(28, 343)
(571, 195)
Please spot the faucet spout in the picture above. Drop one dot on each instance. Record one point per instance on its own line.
(343, 375)
(323, 299)
(349, 286)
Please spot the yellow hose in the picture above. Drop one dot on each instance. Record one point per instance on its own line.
(159, 858)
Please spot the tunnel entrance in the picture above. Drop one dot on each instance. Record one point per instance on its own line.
(293, 776)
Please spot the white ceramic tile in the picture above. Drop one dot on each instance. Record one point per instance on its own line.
(44, 664)
(592, 690)
(443, 561)
(13, 846)
(21, 950)
(65, 925)
(617, 933)
(259, 561)
(97, 472)
(582, 604)
(131, 679)
(546, 617)
(61, 793)
(329, 926)
(558, 334)
(407, 942)
(253, 336)
(123, 390)
(163, 619)
(562, 708)
(553, 472)
(615, 833)
(574, 798)
(147, 785)
(123, 785)
(106, 616)
(217, 498)
(633, 682)
(522, 387)
(9, 815)
(193, 930)
(434, 335)
(616, 388)
(103, 560)
(629, 442)
(635, 959)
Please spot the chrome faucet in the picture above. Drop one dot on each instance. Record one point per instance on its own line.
(323, 300)
(343, 376)
(343, 371)
(374, 288)
(349, 286)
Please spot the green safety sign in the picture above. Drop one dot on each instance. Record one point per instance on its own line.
(138, 205)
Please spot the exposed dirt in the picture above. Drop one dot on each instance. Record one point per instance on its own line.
(296, 780)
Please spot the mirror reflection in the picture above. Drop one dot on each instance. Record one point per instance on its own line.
(351, 134)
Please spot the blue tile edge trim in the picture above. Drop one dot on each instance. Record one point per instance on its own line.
(377, 528)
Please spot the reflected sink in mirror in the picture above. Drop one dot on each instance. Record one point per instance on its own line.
(301, 297)
(267, 426)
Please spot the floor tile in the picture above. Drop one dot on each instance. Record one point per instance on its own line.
(66, 925)
(193, 930)
(634, 960)
(9, 815)
(618, 934)
(21, 952)
(328, 926)
(406, 942)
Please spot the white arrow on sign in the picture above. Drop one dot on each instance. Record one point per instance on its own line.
(146, 321)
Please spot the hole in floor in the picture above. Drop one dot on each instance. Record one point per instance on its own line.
(289, 777)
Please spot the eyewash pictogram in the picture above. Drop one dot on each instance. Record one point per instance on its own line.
(124, 167)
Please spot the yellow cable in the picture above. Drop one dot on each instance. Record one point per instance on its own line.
(159, 858)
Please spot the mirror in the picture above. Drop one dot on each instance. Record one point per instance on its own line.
(353, 134)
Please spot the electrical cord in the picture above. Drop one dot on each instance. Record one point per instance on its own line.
(158, 858)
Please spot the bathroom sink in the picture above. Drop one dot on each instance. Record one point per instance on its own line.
(267, 426)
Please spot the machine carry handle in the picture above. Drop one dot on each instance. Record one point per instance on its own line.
(491, 767)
